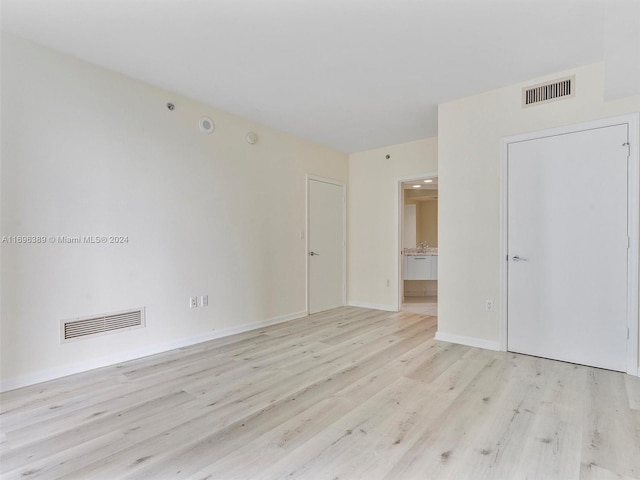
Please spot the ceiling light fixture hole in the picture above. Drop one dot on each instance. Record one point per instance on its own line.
(206, 125)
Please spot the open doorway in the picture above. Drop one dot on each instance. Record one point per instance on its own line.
(418, 231)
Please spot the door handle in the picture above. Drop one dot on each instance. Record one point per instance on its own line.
(517, 258)
(313, 253)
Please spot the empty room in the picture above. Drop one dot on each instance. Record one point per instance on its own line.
(268, 239)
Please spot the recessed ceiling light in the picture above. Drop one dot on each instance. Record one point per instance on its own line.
(428, 181)
(416, 186)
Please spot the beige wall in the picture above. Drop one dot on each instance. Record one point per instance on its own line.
(427, 222)
(470, 130)
(86, 151)
(373, 217)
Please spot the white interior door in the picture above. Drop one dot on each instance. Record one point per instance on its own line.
(567, 223)
(326, 245)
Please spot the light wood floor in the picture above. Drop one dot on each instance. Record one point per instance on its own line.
(422, 305)
(347, 394)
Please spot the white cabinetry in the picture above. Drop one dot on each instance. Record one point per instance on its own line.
(417, 267)
(421, 267)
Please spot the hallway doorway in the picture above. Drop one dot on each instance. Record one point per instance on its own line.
(418, 239)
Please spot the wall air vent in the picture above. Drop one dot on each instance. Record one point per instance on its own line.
(80, 328)
(549, 92)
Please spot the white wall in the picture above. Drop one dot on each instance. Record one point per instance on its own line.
(86, 151)
(373, 217)
(622, 49)
(470, 130)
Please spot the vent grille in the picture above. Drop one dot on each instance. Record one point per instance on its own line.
(549, 92)
(80, 328)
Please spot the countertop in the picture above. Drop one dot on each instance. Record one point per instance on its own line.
(420, 251)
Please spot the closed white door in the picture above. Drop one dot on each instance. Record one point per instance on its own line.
(567, 247)
(326, 245)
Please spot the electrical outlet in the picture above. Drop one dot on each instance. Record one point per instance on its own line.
(193, 302)
(489, 305)
(204, 300)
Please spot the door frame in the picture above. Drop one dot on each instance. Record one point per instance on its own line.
(343, 185)
(399, 223)
(633, 223)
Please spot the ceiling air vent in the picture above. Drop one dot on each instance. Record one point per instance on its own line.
(80, 328)
(549, 92)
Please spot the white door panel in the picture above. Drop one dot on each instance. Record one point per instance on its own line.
(567, 214)
(326, 245)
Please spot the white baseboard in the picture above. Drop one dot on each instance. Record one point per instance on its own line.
(374, 306)
(63, 371)
(470, 341)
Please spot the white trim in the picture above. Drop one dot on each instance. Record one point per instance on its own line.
(470, 341)
(633, 226)
(63, 371)
(633, 264)
(373, 306)
(339, 183)
(504, 246)
(399, 223)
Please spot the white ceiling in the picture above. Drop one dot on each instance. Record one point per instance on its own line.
(427, 191)
(411, 184)
(349, 74)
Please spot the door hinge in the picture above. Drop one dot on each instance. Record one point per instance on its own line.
(628, 145)
(627, 333)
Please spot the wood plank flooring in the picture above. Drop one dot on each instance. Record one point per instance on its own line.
(346, 394)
